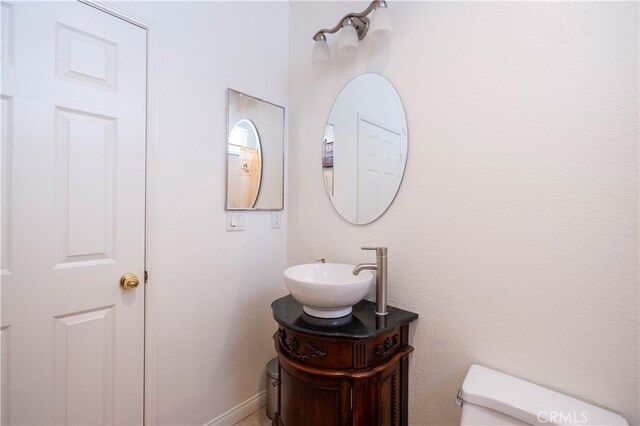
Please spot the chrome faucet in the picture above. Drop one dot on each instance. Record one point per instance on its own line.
(381, 277)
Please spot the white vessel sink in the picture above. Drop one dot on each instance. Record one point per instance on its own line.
(327, 290)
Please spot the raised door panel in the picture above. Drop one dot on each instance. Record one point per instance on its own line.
(83, 367)
(85, 184)
(322, 402)
(388, 395)
(85, 58)
(5, 351)
(377, 399)
(380, 168)
(5, 185)
(6, 31)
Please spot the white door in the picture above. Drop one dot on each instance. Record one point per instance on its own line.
(380, 167)
(73, 182)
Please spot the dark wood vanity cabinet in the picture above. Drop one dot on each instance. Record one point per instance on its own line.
(351, 371)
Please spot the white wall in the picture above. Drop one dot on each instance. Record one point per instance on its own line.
(515, 231)
(212, 288)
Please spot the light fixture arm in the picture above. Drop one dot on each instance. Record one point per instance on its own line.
(359, 20)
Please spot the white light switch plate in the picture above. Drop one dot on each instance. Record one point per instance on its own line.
(276, 219)
(235, 221)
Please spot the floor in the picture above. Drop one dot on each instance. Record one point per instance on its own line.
(259, 418)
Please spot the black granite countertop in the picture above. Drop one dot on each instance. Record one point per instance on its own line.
(362, 323)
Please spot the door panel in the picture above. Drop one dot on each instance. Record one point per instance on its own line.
(313, 403)
(6, 33)
(5, 221)
(84, 360)
(5, 350)
(85, 183)
(380, 168)
(388, 390)
(85, 58)
(73, 178)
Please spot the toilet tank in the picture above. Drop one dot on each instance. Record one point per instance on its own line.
(489, 397)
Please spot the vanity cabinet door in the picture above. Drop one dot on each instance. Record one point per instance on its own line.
(312, 400)
(377, 400)
(387, 396)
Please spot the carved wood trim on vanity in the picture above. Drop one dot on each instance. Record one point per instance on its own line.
(388, 346)
(355, 374)
(292, 345)
(344, 354)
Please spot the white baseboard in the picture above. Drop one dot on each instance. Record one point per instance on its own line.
(240, 411)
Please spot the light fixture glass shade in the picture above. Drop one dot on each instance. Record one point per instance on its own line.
(348, 41)
(321, 55)
(380, 27)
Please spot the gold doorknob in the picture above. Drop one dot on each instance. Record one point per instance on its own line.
(129, 281)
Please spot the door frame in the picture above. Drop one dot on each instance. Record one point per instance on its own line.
(151, 146)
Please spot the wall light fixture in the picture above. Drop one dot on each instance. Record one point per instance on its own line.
(353, 27)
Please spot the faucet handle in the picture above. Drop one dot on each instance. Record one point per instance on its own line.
(380, 251)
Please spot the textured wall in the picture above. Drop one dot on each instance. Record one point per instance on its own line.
(213, 288)
(515, 231)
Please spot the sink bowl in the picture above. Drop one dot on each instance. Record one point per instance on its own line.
(327, 290)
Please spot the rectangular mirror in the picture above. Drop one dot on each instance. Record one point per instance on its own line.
(255, 153)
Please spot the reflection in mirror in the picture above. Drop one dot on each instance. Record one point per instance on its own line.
(255, 153)
(365, 148)
(245, 165)
(327, 157)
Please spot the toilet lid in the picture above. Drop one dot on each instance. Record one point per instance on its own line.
(529, 402)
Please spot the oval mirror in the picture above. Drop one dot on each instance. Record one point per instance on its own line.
(364, 151)
(244, 172)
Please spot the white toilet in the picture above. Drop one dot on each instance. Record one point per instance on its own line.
(488, 397)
